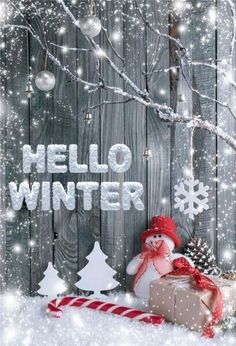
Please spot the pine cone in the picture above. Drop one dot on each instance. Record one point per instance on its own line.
(229, 275)
(228, 324)
(202, 256)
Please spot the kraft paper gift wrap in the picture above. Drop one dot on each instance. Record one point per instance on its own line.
(180, 302)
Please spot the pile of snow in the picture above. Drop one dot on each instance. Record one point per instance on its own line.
(24, 322)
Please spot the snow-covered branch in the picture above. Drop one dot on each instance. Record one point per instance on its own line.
(203, 96)
(54, 59)
(105, 103)
(225, 73)
(233, 11)
(164, 111)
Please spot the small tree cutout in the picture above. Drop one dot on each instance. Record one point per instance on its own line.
(97, 275)
(51, 285)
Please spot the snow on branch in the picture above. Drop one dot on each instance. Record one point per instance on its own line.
(136, 94)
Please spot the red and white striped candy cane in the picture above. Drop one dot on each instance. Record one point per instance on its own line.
(54, 308)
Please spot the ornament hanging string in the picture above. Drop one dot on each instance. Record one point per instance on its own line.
(54, 308)
(91, 7)
(46, 45)
(45, 61)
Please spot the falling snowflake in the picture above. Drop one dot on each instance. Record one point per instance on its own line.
(191, 197)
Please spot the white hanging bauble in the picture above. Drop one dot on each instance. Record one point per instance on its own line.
(90, 26)
(45, 80)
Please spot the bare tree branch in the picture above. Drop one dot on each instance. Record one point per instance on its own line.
(196, 91)
(104, 103)
(69, 48)
(156, 30)
(55, 60)
(232, 45)
(219, 70)
(165, 112)
(111, 45)
(102, 55)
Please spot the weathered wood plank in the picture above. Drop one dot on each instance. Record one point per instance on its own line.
(17, 133)
(226, 168)
(180, 135)
(60, 119)
(112, 132)
(65, 132)
(41, 131)
(158, 133)
(135, 131)
(88, 133)
(204, 79)
(3, 115)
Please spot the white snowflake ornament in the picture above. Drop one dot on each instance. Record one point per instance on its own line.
(191, 197)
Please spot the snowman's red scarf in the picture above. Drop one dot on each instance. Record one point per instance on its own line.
(158, 255)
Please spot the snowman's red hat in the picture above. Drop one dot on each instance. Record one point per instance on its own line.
(162, 225)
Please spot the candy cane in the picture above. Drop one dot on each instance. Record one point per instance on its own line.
(54, 308)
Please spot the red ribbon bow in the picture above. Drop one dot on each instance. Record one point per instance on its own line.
(182, 267)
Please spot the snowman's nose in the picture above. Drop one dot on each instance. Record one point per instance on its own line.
(158, 243)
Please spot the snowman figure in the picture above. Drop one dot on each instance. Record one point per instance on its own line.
(157, 255)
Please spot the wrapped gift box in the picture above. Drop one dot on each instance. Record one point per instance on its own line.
(180, 302)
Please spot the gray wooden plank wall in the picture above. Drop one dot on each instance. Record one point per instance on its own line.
(226, 159)
(30, 239)
(2, 173)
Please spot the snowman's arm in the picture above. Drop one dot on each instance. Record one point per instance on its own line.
(178, 255)
(133, 265)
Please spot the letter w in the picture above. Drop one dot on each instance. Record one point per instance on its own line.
(17, 197)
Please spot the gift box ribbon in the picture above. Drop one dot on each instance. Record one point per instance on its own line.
(182, 267)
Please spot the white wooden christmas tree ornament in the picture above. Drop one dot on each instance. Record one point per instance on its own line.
(97, 275)
(51, 285)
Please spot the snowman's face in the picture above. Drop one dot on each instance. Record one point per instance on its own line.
(153, 240)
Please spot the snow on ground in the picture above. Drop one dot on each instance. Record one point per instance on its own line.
(23, 322)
